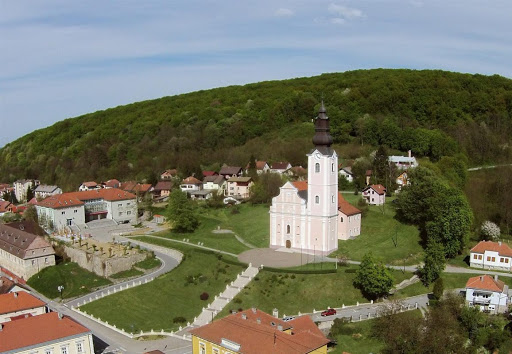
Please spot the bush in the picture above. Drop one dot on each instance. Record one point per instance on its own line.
(179, 319)
(204, 296)
(489, 231)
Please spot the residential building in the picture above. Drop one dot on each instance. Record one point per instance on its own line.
(169, 174)
(217, 183)
(297, 173)
(190, 184)
(47, 333)
(374, 194)
(303, 217)
(255, 332)
(280, 167)
(349, 219)
(5, 207)
(89, 186)
(209, 173)
(8, 285)
(403, 162)
(24, 253)
(65, 211)
(203, 194)
(402, 180)
(139, 189)
(111, 183)
(21, 187)
(488, 293)
(18, 305)
(239, 187)
(42, 191)
(5, 188)
(162, 189)
(347, 173)
(230, 171)
(491, 255)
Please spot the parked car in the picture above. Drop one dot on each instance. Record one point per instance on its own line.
(231, 200)
(328, 312)
(288, 318)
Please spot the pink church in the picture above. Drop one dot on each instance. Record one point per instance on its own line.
(305, 216)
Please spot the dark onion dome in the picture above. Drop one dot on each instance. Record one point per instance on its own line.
(322, 136)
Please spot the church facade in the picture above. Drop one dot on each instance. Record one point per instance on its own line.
(305, 215)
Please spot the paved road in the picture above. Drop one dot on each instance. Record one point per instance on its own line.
(485, 167)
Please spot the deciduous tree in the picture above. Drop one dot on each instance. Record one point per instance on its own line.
(182, 212)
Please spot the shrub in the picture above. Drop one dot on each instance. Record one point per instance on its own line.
(204, 296)
(179, 319)
(489, 231)
(237, 301)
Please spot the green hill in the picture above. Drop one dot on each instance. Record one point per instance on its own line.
(434, 113)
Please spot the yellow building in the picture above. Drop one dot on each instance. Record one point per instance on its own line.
(254, 332)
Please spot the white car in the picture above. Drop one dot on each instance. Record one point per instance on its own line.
(231, 200)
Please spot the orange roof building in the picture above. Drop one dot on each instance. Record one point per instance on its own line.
(21, 303)
(491, 255)
(49, 332)
(254, 331)
(487, 292)
(374, 194)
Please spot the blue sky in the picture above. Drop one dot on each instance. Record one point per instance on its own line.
(62, 58)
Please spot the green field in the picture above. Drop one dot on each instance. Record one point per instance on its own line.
(127, 274)
(378, 230)
(175, 294)
(290, 293)
(148, 263)
(76, 281)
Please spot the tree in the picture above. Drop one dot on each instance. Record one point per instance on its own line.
(438, 288)
(30, 214)
(266, 188)
(434, 262)
(181, 211)
(30, 193)
(372, 278)
(489, 231)
(381, 166)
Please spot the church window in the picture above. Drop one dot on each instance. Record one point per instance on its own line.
(288, 229)
(342, 219)
(317, 199)
(298, 230)
(317, 167)
(332, 198)
(332, 167)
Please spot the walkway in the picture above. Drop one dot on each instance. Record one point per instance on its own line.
(226, 296)
(275, 258)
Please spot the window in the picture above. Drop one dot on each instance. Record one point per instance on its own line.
(64, 350)
(502, 260)
(332, 167)
(488, 258)
(119, 205)
(127, 204)
(317, 199)
(128, 212)
(215, 351)
(33, 262)
(332, 198)
(506, 260)
(317, 167)
(79, 347)
(341, 219)
(288, 229)
(63, 212)
(120, 213)
(493, 259)
(480, 257)
(48, 351)
(46, 260)
(202, 348)
(475, 256)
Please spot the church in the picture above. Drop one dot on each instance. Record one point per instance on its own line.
(310, 216)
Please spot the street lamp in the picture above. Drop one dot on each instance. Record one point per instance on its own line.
(60, 288)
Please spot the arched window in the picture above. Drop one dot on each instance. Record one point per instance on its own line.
(317, 167)
(332, 167)
(332, 198)
(288, 229)
(342, 219)
(317, 199)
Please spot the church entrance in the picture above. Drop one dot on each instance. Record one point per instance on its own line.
(288, 244)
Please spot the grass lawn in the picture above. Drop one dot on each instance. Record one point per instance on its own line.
(291, 293)
(377, 232)
(127, 274)
(76, 281)
(148, 263)
(252, 224)
(175, 294)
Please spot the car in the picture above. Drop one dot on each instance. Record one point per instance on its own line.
(231, 200)
(328, 312)
(288, 318)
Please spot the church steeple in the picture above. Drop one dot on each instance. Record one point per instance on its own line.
(322, 137)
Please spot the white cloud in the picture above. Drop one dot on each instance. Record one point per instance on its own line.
(283, 12)
(338, 21)
(345, 12)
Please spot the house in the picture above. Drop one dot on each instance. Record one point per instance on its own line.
(190, 184)
(203, 194)
(403, 162)
(47, 333)
(89, 186)
(280, 167)
(209, 173)
(5, 207)
(261, 167)
(349, 219)
(162, 189)
(217, 183)
(139, 189)
(5, 188)
(67, 210)
(346, 172)
(491, 255)
(304, 216)
(8, 285)
(374, 194)
(21, 187)
(42, 191)
(19, 305)
(159, 219)
(402, 180)
(239, 187)
(230, 171)
(169, 174)
(297, 172)
(488, 293)
(254, 332)
(111, 183)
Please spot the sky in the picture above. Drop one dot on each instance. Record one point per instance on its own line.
(61, 58)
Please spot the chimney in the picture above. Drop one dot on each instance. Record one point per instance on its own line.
(409, 153)
(244, 316)
(279, 327)
(253, 310)
(60, 316)
(499, 243)
(258, 320)
(15, 294)
(482, 278)
(496, 277)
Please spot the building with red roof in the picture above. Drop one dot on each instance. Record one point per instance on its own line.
(254, 331)
(46, 333)
(374, 194)
(487, 292)
(21, 304)
(491, 255)
(349, 219)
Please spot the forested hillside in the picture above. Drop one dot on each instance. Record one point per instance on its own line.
(434, 113)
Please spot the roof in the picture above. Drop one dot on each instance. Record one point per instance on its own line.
(345, 207)
(43, 188)
(5, 206)
(298, 170)
(260, 165)
(90, 184)
(163, 186)
(66, 200)
(485, 282)
(347, 169)
(214, 179)
(301, 185)
(264, 336)
(23, 244)
(171, 172)
(42, 328)
(6, 285)
(502, 248)
(280, 165)
(368, 172)
(18, 301)
(209, 173)
(402, 159)
(112, 183)
(240, 179)
(134, 187)
(378, 188)
(191, 180)
(230, 170)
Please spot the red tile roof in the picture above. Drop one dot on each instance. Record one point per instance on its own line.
(280, 165)
(301, 185)
(209, 173)
(66, 200)
(5, 206)
(191, 180)
(345, 207)
(263, 336)
(112, 183)
(163, 186)
(502, 248)
(378, 188)
(38, 329)
(260, 165)
(485, 282)
(18, 301)
(90, 184)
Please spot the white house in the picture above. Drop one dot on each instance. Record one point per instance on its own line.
(280, 167)
(239, 187)
(190, 184)
(488, 293)
(215, 183)
(403, 162)
(374, 194)
(347, 173)
(491, 255)
(43, 191)
(261, 167)
(89, 186)
(349, 219)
